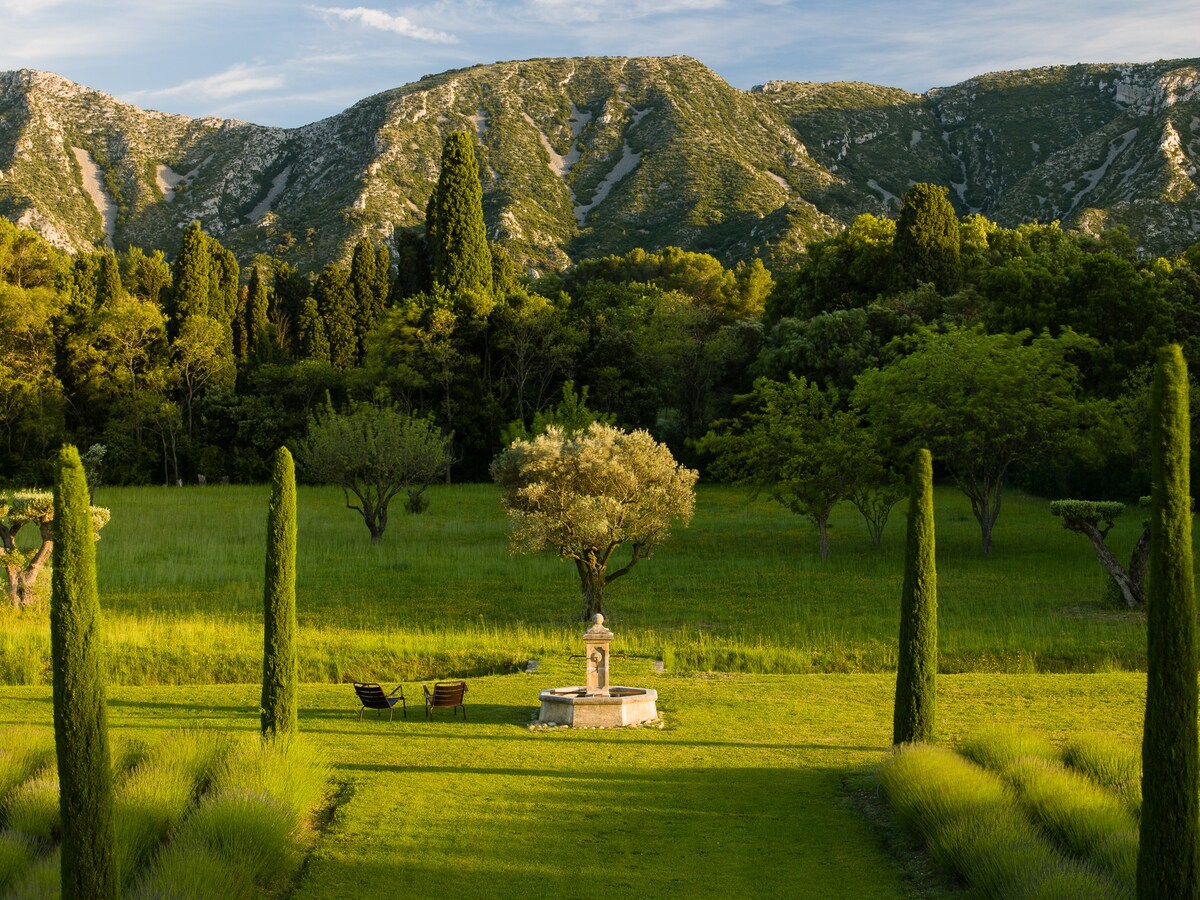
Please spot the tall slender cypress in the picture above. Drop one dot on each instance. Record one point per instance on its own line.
(80, 719)
(927, 247)
(458, 244)
(916, 672)
(1167, 856)
(279, 603)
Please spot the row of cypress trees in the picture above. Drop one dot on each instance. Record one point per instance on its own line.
(89, 870)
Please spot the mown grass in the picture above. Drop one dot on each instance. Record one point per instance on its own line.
(743, 793)
(742, 589)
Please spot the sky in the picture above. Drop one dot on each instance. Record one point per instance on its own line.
(287, 64)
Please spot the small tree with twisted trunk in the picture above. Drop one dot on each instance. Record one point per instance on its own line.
(585, 494)
(22, 567)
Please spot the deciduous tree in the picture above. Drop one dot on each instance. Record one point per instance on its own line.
(372, 452)
(22, 567)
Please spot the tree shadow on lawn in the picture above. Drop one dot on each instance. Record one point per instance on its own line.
(623, 832)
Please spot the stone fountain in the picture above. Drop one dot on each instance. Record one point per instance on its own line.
(597, 704)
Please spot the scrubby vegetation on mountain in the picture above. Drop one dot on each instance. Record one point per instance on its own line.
(581, 158)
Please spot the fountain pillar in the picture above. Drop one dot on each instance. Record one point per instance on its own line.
(595, 646)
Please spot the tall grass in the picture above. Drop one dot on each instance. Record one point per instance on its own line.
(1109, 763)
(742, 589)
(248, 833)
(999, 747)
(973, 825)
(1089, 821)
(24, 753)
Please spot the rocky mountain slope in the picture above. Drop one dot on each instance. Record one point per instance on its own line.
(582, 157)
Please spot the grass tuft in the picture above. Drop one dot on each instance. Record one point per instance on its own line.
(16, 854)
(998, 748)
(1112, 764)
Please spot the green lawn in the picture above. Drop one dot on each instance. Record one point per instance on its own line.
(746, 792)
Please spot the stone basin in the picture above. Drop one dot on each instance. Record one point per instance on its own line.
(574, 706)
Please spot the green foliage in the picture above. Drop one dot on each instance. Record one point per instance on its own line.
(1098, 513)
(454, 227)
(1109, 763)
(793, 441)
(22, 566)
(1001, 746)
(335, 300)
(257, 307)
(981, 403)
(915, 715)
(584, 495)
(80, 718)
(928, 242)
(279, 689)
(570, 414)
(312, 342)
(1167, 860)
(373, 452)
(973, 826)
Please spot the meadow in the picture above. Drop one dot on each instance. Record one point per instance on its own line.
(775, 696)
(740, 590)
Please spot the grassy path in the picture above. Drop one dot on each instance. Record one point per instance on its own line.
(743, 793)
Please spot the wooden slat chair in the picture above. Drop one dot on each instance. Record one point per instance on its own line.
(446, 695)
(371, 696)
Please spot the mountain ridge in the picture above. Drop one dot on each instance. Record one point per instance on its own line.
(594, 155)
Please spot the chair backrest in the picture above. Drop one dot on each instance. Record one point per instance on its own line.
(371, 695)
(449, 693)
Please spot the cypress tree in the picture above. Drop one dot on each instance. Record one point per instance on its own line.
(1167, 855)
(279, 603)
(927, 244)
(335, 301)
(383, 277)
(458, 244)
(916, 671)
(364, 283)
(311, 341)
(257, 305)
(80, 719)
(192, 274)
(412, 265)
(108, 280)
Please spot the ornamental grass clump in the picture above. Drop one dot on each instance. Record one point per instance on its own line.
(1108, 763)
(33, 809)
(1084, 818)
(23, 754)
(17, 852)
(998, 748)
(248, 833)
(973, 826)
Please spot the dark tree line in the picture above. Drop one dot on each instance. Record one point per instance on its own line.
(199, 366)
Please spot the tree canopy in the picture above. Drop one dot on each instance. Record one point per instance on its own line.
(584, 495)
(372, 452)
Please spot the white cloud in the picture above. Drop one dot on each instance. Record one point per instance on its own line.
(233, 81)
(378, 19)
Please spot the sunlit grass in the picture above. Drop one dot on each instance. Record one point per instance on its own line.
(742, 589)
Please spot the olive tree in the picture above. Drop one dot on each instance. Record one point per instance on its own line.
(586, 494)
(372, 452)
(23, 566)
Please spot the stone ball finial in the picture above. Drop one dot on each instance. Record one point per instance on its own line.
(597, 619)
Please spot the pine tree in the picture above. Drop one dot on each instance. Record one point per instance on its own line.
(454, 228)
(192, 274)
(279, 603)
(916, 670)
(80, 718)
(927, 244)
(1167, 855)
(335, 301)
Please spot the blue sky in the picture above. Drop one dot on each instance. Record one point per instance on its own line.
(285, 63)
